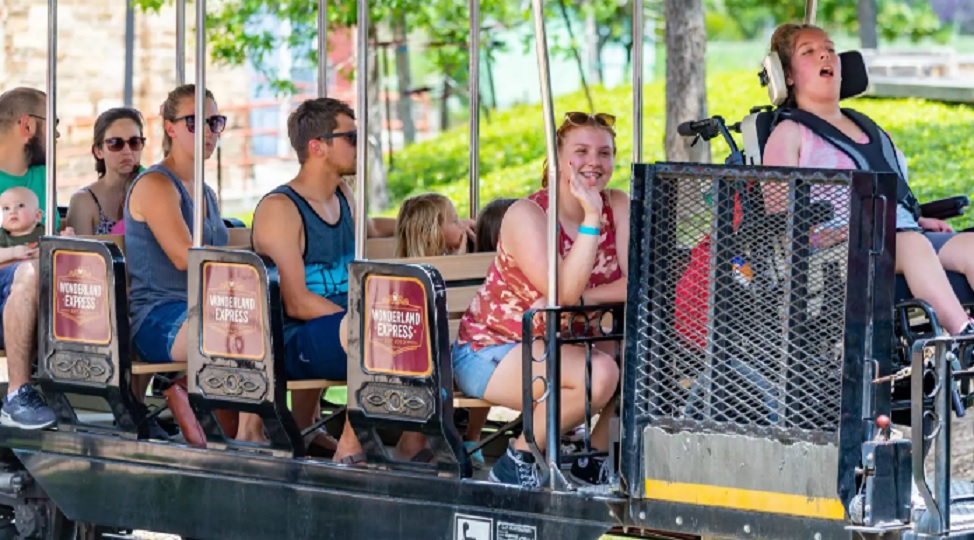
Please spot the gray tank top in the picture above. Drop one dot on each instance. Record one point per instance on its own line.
(328, 248)
(155, 280)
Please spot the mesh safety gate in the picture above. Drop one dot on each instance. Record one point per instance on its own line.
(739, 304)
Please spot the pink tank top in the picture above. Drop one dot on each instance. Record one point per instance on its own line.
(494, 315)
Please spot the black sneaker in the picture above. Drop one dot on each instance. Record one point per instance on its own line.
(27, 410)
(515, 468)
(593, 471)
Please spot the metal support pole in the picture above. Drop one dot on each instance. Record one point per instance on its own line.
(638, 34)
(129, 53)
(50, 198)
(553, 410)
(810, 9)
(199, 155)
(361, 103)
(322, 48)
(180, 42)
(474, 82)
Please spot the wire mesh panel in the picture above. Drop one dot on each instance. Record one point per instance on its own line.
(741, 300)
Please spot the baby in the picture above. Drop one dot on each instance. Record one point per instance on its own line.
(21, 224)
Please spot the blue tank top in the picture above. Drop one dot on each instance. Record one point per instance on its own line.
(328, 248)
(155, 280)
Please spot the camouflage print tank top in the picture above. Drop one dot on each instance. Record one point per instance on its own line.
(494, 315)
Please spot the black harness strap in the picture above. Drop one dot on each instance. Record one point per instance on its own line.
(877, 155)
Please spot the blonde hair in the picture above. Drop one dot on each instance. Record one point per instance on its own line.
(419, 227)
(567, 127)
(783, 43)
(171, 106)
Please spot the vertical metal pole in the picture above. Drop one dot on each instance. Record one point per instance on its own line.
(129, 52)
(474, 85)
(180, 42)
(638, 34)
(810, 9)
(553, 409)
(199, 155)
(322, 48)
(50, 198)
(361, 103)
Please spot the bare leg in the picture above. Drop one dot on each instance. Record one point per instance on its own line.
(348, 444)
(504, 387)
(20, 324)
(475, 423)
(957, 255)
(924, 273)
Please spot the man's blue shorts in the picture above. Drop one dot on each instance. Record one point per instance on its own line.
(314, 351)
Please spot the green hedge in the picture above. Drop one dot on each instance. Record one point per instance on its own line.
(938, 140)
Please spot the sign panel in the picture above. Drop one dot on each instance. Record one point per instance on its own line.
(80, 296)
(231, 311)
(397, 335)
(473, 528)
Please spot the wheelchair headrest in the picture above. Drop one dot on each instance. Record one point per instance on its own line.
(855, 78)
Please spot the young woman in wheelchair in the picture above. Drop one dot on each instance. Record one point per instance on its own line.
(925, 248)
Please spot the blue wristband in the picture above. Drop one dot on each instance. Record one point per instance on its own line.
(594, 231)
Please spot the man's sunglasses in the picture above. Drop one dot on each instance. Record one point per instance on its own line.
(217, 123)
(44, 118)
(351, 136)
(116, 144)
(583, 118)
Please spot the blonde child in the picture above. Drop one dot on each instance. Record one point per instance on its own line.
(428, 226)
(22, 226)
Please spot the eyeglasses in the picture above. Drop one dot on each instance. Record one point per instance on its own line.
(116, 144)
(44, 118)
(217, 123)
(583, 118)
(351, 136)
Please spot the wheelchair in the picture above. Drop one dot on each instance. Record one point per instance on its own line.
(914, 319)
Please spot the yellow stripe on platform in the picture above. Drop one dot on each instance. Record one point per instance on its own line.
(745, 499)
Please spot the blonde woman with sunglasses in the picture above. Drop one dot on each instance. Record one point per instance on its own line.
(594, 223)
(117, 149)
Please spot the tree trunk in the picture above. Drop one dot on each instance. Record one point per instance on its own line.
(867, 24)
(686, 90)
(405, 106)
(593, 48)
(578, 57)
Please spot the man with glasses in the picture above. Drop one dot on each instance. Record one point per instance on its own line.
(306, 227)
(23, 132)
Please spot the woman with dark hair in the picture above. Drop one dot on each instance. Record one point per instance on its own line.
(117, 149)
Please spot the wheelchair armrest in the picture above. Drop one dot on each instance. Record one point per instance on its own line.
(946, 208)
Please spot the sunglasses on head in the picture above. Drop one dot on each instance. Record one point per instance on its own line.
(116, 144)
(350, 136)
(584, 118)
(217, 123)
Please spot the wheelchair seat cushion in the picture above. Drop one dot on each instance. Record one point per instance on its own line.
(957, 281)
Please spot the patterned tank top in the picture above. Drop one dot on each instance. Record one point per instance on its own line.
(494, 315)
(105, 223)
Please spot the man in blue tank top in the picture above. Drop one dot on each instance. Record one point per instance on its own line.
(23, 132)
(306, 227)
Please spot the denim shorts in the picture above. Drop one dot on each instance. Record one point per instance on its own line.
(314, 350)
(473, 369)
(6, 284)
(155, 337)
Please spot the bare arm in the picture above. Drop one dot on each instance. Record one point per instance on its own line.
(615, 291)
(781, 150)
(82, 213)
(155, 201)
(278, 235)
(382, 227)
(523, 233)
